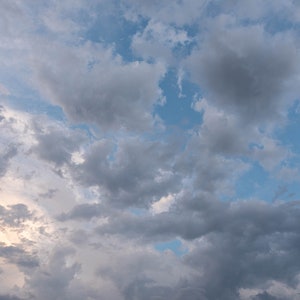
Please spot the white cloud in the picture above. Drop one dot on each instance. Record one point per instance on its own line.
(162, 205)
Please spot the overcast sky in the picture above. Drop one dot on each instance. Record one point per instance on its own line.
(149, 150)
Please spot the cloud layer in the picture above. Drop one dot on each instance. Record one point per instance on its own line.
(104, 196)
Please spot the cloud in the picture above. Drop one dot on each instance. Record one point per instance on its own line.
(87, 197)
(159, 42)
(246, 71)
(180, 13)
(9, 297)
(14, 215)
(7, 154)
(52, 282)
(93, 86)
(264, 296)
(55, 144)
(82, 212)
(18, 256)
(237, 245)
(124, 174)
(163, 204)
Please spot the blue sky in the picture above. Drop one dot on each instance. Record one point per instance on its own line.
(149, 150)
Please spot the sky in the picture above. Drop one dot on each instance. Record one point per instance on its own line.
(149, 150)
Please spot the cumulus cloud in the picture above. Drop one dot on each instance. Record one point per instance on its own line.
(6, 155)
(101, 198)
(83, 212)
(123, 173)
(246, 71)
(238, 245)
(93, 86)
(56, 145)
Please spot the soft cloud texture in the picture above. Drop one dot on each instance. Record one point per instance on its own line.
(246, 71)
(104, 195)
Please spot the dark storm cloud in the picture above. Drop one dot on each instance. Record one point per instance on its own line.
(246, 71)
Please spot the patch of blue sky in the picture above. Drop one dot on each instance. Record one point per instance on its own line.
(287, 192)
(192, 30)
(289, 134)
(183, 50)
(28, 100)
(112, 30)
(38, 107)
(213, 9)
(174, 245)
(279, 22)
(177, 111)
(256, 183)
(87, 129)
(138, 211)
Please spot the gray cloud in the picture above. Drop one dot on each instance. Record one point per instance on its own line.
(14, 215)
(238, 245)
(18, 256)
(147, 289)
(267, 12)
(7, 154)
(9, 297)
(246, 71)
(53, 281)
(82, 212)
(247, 74)
(133, 172)
(265, 296)
(93, 86)
(136, 172)
(55, 145)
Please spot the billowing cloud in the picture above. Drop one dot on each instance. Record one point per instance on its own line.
(123, 173)
(246, 71)
(103, 195)
(93, 86)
